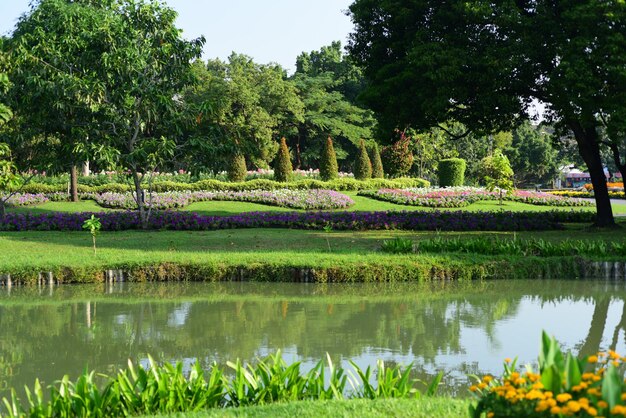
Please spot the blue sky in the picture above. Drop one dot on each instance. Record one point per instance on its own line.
(269, 31)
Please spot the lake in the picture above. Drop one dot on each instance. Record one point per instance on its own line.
(460, 328)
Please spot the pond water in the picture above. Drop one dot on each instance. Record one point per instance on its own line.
(460, 328)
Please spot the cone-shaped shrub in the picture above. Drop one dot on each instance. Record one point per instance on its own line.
(398, 157)
(377, 163)
(237, 170)
(328, 162)
(362, 165)
(283, 169)
(451, 172)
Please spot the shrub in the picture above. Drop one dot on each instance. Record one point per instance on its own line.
(328, 162)
(377, 165)
(237, 170)
(283, 170)
(397, 245)
(362, 165)
(451, 172)
(398, 157)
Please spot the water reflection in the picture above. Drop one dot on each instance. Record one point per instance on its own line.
(461, 328)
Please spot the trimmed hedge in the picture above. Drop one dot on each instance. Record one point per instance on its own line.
(362, 165)
(377, 164)
(237, 170)
(451, 172)
(329, 170)
(283, 170)
(344, 184)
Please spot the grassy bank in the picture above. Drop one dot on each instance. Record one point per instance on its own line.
(422, 408)
(273, 255)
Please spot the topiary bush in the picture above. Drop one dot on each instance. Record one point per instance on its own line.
(237, 170)
(451, 172)
(328, 162)
(283, 170)
(362, 165)
(377, 164)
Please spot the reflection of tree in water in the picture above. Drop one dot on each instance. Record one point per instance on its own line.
(48, 340)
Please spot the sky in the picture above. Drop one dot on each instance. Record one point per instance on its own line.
(268, 31)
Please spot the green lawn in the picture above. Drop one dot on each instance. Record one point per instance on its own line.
(361, 204)
(422, 408)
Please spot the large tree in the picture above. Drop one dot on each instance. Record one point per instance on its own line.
(54, 50)
(483, 63)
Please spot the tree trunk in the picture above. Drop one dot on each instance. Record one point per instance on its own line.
(589, 149)
(618, 161)
(141, 206)
(74, 183)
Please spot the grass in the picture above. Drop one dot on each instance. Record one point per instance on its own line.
(361, 203)
(422, 408)
(265, 252)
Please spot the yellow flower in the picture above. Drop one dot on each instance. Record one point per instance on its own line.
(563, 397)
(573, 406)
(555, 410)
(473, 388)
(602, 404)
(491, 415)
(592, 411)
(592, 359)
(507, 360)
(487, 379)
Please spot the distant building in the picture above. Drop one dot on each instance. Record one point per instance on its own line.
(574, 178)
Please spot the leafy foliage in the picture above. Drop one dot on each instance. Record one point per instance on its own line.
(237, 169)
(328, 162)
(397, 245)
(362, 166)
(283, 170)
(398, 157)
(498, 173)
(451, 172)
(377, 165)
(160, 389)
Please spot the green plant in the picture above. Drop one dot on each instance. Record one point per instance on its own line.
(283, 170)
(362, 165)
(329, 169)
(377, 165)
(497, 173)
(451, 172)
(237, 170)
(93, 225)
(398, 157)
(563, 385)
(165, 389)
(397, 245)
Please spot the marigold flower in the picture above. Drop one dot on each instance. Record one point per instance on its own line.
(592, 359)
(563, 397)
(602, 404)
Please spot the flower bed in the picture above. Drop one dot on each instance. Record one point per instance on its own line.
(414, 220)
(294, 199)
(577, 194)
(457, 197)
(563, 386)
(25, 199)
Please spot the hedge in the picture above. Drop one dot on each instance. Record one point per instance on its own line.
(451, 172)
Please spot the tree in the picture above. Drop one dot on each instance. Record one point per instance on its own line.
(241, 107)
(328, 162)
(9, 178)
(362, 165)
(484, 63)
(54, 50)
(237, 170)
(533, 157)
(283, 170)
(377, 165)
(497, 173)
(142, 73)
(398, 157)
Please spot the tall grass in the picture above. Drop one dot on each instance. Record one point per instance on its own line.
(167, 389)
(490, 246)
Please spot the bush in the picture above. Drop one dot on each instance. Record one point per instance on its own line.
(237, 170)
(398, 157)
(377, 165)
(362, 165)
(328, 162)
(283, 170)
(451, 172)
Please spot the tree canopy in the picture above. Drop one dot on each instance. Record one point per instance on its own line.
(483, 64)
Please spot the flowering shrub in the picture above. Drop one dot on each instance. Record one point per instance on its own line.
(25, 199)
(457, 197)
(563, 386)
(355, 221)
(295, 199)
(616, 186)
